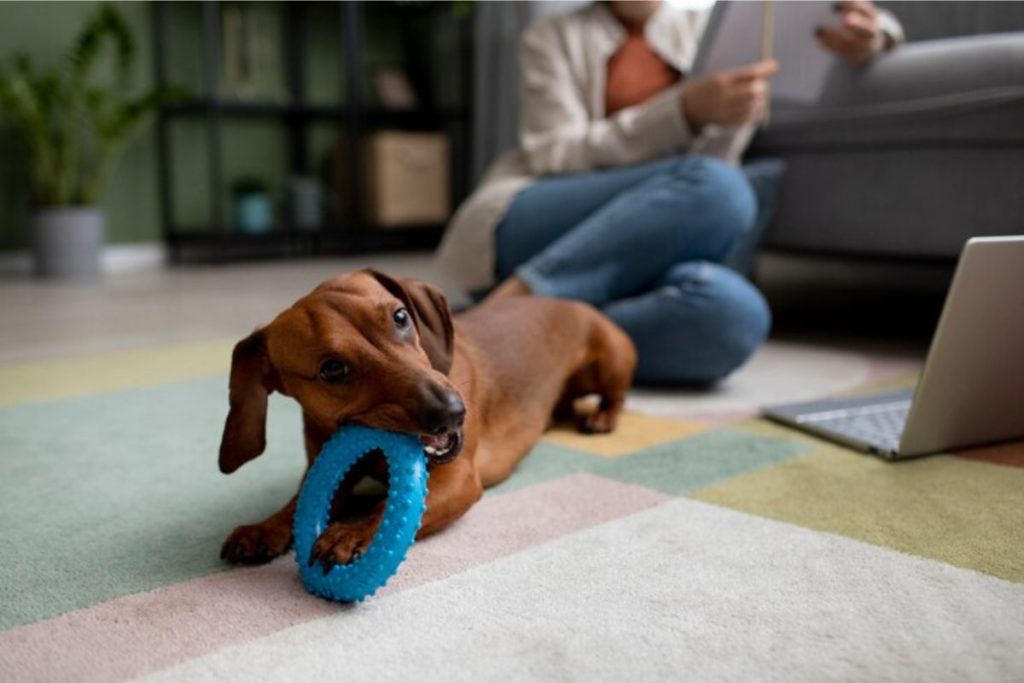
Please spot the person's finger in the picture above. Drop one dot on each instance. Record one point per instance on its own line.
(738, 117)
(865, 9)
(750, 112)
(740, 97)
(833, 39)
(760, 109)
(750, 90)
(731, 111)
(743, 111)
(860, 26)
(739, 108)
(746, 89)
(855, 51)
(763, 69)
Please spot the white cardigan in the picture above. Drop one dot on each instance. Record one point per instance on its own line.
(563, 128)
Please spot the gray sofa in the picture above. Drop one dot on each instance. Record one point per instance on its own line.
(906, 158)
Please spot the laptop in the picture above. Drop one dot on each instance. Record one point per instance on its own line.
(971, 389)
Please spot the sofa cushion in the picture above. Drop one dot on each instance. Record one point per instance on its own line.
(909, 203)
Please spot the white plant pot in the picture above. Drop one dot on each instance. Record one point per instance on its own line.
(67, 241)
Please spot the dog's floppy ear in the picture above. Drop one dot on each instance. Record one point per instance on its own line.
(245, 430)
(430, 313)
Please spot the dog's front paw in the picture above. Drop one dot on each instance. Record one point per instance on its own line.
(601, 422)
(256, 543)
(341, 543)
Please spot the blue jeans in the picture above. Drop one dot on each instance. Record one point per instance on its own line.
(645, 244)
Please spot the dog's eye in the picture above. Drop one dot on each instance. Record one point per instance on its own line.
(401, 318)
(333, 371)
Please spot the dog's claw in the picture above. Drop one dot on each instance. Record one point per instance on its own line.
(254, 544)
(340, 545)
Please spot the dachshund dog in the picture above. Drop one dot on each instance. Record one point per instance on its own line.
(478, 389)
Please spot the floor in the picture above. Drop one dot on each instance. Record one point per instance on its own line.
(840, 349)
(53, 319)
(703, 541)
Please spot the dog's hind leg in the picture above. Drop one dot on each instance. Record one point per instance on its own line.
(608, 374)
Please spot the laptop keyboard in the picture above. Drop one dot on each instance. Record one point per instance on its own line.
(880, 424)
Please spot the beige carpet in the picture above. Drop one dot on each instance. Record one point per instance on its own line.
(696, 542)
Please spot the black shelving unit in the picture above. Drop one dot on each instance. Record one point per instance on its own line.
(347, 231)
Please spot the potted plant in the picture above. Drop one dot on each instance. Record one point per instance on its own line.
(75, 129)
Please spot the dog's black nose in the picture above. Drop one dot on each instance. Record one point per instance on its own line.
(443, 411)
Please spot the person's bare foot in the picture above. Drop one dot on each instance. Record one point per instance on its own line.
(510, 287)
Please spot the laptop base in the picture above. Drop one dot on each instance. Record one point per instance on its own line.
(873, 423)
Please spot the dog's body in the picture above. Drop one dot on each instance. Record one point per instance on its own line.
(480, 389)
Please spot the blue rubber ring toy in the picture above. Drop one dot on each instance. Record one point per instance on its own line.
(407, 495)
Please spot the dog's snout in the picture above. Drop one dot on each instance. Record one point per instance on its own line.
(456, 408)
(443, 411)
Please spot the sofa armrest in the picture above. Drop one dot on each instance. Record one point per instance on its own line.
(917, 80)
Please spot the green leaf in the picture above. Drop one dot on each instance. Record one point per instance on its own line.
(75, 127)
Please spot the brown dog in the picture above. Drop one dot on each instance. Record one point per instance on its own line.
(479, 390)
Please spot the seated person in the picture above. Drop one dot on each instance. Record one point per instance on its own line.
(624, 192)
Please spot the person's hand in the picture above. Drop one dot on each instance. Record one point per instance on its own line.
(729, 98)
(858, 37)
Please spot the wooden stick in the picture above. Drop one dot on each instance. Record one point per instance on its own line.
(767, 50)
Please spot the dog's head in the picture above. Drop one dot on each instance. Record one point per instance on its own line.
(362, 348)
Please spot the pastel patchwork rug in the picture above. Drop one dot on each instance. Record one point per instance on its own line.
(696, 543)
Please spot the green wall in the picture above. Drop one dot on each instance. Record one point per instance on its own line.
(44, 30)
(249, 148)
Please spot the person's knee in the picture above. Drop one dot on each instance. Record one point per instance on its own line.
(735, 322)
(722, 193)
(740, 323)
